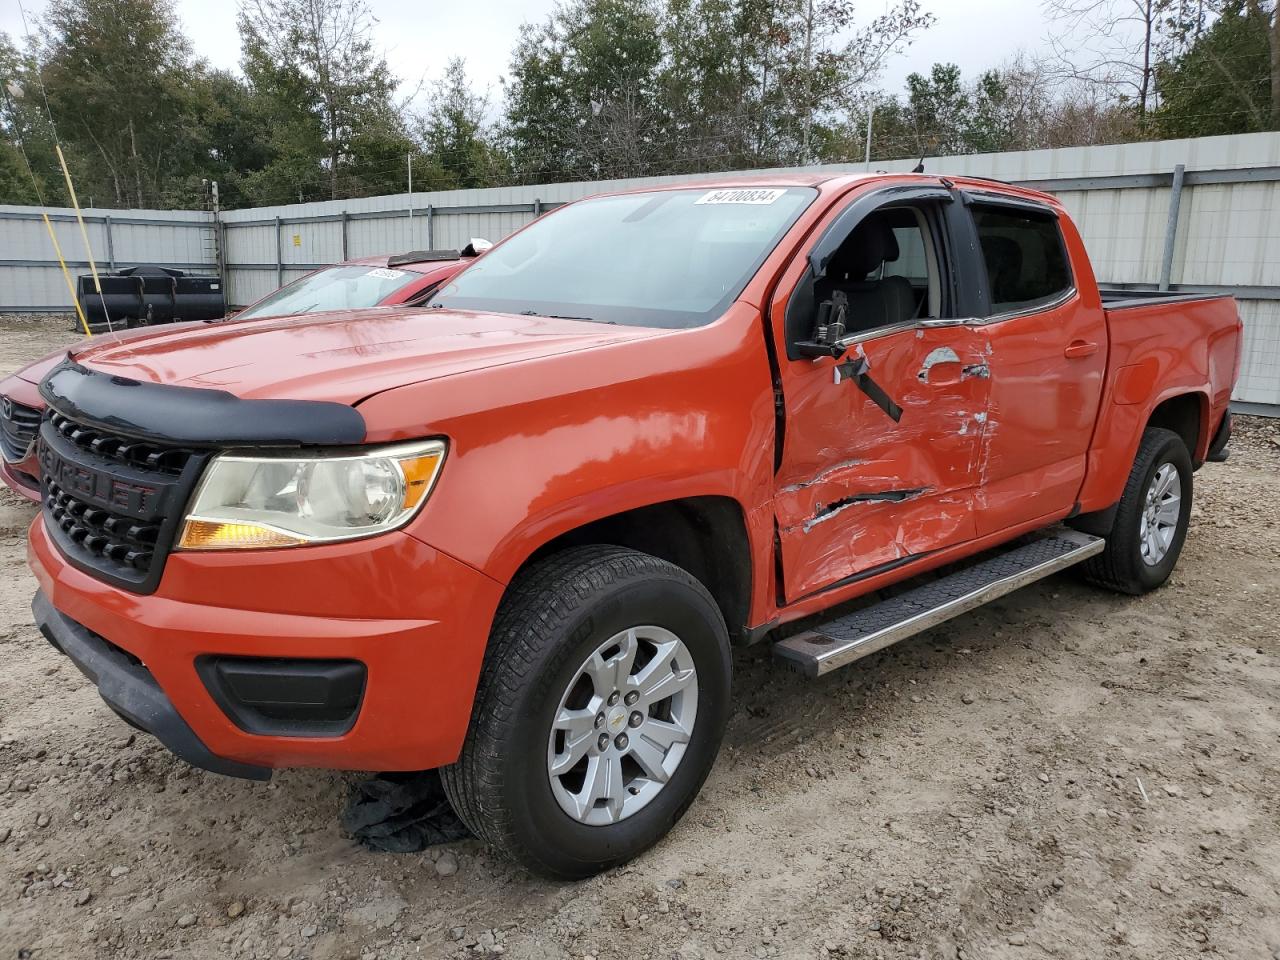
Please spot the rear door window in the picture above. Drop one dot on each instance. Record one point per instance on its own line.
(1025, 257)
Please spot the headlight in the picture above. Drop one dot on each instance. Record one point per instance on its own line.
(289, 500)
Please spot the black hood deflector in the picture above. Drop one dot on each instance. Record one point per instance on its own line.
(192, 416)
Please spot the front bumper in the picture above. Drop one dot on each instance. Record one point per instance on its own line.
(415, 618)
(131, 691)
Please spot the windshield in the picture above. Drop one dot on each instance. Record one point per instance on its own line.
(334, 288)
(672, 258)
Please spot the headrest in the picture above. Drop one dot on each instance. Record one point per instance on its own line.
(871, 244)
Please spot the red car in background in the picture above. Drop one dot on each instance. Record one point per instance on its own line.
(401, 280)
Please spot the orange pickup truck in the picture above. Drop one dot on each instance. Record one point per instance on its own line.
(515, 533)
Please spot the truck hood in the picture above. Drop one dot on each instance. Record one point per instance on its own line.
(36, 371)
(343, 357)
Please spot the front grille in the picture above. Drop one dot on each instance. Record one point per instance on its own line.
(123, 450)
(18, 426)
(102, 535)
(112, 503)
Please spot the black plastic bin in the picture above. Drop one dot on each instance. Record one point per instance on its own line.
(137, 296)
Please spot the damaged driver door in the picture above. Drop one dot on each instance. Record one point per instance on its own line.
(885, 387)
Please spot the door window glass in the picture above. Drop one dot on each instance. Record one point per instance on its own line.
(886, 270)
(1025, 257)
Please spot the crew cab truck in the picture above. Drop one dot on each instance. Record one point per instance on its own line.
(514, 534)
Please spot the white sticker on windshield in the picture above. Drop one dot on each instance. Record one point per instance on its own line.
(751, 195)
(383, 274)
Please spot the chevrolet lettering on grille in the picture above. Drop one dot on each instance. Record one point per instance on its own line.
(133, 499)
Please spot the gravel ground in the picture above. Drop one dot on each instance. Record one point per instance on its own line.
(1064, 773)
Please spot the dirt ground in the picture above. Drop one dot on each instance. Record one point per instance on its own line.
(1064, 773)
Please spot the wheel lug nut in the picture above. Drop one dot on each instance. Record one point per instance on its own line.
(622, 741)
(599, 720)
(637, 718)
(631, 698)
(603, 742)
(613, 697)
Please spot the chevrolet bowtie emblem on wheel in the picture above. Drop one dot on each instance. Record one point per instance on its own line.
(6, 408)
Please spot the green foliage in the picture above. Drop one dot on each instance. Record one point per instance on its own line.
(599, 89)
(616, 88)
(460, 150)
(117, 75)
(1221, 83)
(28, 166)
(582, 98)
(334, 125)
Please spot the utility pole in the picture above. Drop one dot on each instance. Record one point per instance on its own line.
(409, 157)
(871, 112)
(808, 85)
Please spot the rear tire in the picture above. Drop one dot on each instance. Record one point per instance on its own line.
(1150, 524)
(563, 629)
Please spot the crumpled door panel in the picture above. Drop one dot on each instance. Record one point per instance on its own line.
(857, 490)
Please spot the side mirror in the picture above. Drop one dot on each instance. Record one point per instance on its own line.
(813, 329)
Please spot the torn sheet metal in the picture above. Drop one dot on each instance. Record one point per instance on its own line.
(935, 357)
(856, 488)
(829, 511)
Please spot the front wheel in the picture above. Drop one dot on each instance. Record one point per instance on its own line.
(1151, 520)
(599, 712)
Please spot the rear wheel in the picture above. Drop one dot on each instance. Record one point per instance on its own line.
(599, 711)
(1151, 520)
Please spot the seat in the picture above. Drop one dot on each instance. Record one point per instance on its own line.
(872, 303)
(1004, 266)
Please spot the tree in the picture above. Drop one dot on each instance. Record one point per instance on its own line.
(1020, 105)
(326, 92)
(582, 98)
(459, 145)
(1112, 43)
(116, 73)
(1275, 60)
(642, 86)
(28, 166)
(1223, 82)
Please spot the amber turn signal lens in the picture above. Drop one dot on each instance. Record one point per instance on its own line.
(220, 535)
(419, 472)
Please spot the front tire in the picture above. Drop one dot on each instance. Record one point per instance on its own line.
(1151, 520)
(599, 712)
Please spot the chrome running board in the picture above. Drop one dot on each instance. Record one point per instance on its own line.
(840, 642)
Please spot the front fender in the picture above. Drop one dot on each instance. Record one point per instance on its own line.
(540, 447)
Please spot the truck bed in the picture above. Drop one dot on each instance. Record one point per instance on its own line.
(1122, 299)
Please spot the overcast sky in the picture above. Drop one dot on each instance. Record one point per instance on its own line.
(418, 37)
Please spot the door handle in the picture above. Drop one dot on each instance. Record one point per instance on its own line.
(1080, 349)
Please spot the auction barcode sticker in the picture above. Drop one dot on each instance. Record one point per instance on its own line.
(741, 195)
(384, 274)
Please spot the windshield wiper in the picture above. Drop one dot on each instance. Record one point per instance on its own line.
(561, 316)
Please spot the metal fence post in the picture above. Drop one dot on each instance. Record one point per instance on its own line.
(111, 247)
(537, 207)
(431, 227)
(1171, 230)
(346, 219)
(223, 270)
(279, 257)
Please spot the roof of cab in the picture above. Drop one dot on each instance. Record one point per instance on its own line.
(830, 181)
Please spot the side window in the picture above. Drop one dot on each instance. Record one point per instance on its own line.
(912, 261)
(887, 269)
(1025, 257)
